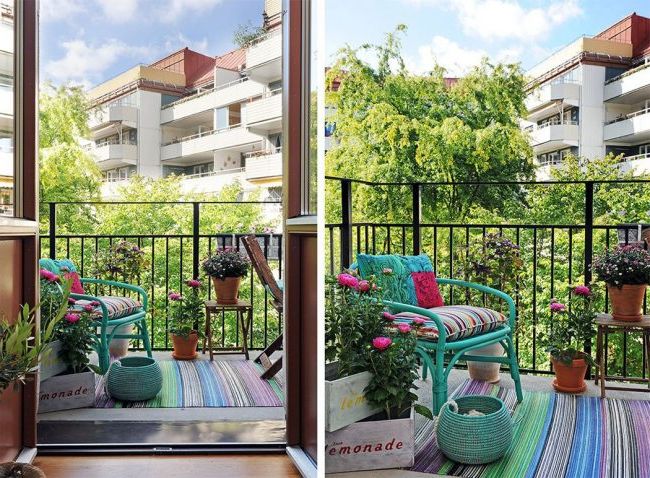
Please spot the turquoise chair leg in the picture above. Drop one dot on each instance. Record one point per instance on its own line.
(102, 352)
(439, 387)
(145, 336)
(514, 367)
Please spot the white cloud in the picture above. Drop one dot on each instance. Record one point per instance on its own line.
(172, 9)
(119, 11)
(84, 64)
(59, 9)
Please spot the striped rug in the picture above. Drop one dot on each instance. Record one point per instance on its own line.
(555, 435)
(201, 383)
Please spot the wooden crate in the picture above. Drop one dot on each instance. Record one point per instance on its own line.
(371, 445)
(345, 402)
(64, 392)
(51, 364)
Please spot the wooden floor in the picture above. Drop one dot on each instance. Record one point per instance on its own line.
(195, 466)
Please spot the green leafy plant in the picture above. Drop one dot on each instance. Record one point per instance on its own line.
(624, 265)
(227, 262)
(570, 326)
(52, 297)
(20, 348)
(77, 333)
(123, 261)
(353, 317)
(245, 34)
(186, 311)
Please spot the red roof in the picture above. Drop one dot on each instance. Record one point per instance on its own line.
(194, 65)
(232, 60)
(633, 29)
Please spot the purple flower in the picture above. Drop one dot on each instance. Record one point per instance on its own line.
(404, 328)
(88, 308)
(175, 296)
(347, 280)
(71, 317)
(582, 290)
(557, 307)
(193, 283)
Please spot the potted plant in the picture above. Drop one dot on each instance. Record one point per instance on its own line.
(387, 438)
(52, 301)
(353, 317)
(626, 271)
(494, 262)
(123, 261)
(570, 327)
(226, 268)
(184, 324)
(75, 387)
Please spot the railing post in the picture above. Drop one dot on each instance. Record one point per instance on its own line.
(589, 244)
(52, 230)
(195, 239)
(346, 223)
(417, 217)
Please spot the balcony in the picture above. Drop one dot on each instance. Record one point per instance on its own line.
(233, 92)
(555, 135)
(638, 163)
(114, 154)
(265, 114)
(264, 58)
(261, 166)
(631, 128)
(631, 87)
(99, 119)
(540, 101)
(206, 142)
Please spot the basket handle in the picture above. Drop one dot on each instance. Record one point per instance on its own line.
(453, 406)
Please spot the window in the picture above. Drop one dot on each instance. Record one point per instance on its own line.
(7, 158)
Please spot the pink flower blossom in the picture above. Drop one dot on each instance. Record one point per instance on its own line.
(95, 303)
(582, 290)
(88, 308)
(193, 283)
(381, 343)
(419, 321)
(71, 317)
(388, 316)
(347, 280)
(363, 286)
(71, 301)
(557, 307)
(404, 328)
(175, 296)
(48, 276)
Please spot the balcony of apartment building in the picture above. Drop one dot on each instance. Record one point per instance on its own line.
(264, 113)
(546, 99)
(263, 165)
(630, 87)
(627, 124)
(105, 119)
(114, 152)
(205, 100)
(264, 57)
(554, 133)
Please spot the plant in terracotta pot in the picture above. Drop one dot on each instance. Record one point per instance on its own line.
(626, 271)
(570, 326)
(226, 268)
(185, 317)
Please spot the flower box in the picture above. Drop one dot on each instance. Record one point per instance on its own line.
(65, 392)
(51, 364)
(371, 445)
(345, 401)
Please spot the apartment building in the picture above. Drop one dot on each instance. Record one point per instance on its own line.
(592, 98)
(212, 120)
(6, 108)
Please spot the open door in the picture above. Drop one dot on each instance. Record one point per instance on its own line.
(299, 159)
(18, 203)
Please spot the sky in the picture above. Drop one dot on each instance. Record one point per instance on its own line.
(457, 34)
(88, 41)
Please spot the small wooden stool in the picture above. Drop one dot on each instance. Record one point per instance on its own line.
(244, 312)
(606, 324)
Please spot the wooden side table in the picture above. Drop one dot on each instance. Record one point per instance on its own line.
(605, 324)
(244, 312)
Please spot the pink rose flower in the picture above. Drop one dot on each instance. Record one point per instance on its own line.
(363, 286)
(419, 321)
(175, 296)
(347, 280)
(88, 308)
(381, 343)
(193, 283)
(557, 307)
(582, 290)
(388, 316)
(71, 317)
(404, 328)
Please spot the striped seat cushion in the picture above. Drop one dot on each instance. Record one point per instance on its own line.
(117, 307)
(460, 321)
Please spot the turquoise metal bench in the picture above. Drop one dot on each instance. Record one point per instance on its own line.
(103, 338)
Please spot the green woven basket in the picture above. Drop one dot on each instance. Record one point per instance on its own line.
(472, 439)
(133, 379)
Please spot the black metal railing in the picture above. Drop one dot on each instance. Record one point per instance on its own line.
(555, 256)
(171, 260)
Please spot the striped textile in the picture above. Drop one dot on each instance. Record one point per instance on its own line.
(201, 383)
(555, 436)
(117, 307)
(460, 321)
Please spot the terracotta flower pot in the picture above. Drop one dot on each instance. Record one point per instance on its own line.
(185, 347)
(570, 378)
(627, 301)
(486, 371)
(227, 290)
